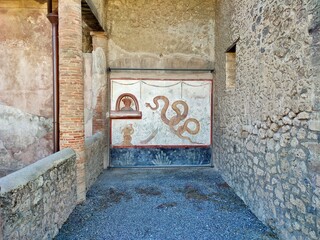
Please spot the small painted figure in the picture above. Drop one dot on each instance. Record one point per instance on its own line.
(127, 104)
(127, 131)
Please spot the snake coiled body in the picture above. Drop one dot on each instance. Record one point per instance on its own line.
(175, 120)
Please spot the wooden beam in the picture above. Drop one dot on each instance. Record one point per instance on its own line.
(89, 15)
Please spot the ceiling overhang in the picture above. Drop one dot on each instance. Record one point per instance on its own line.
(89, 15)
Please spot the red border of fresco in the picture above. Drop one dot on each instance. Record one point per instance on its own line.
(167, 146)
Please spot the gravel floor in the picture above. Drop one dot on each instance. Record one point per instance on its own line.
(184, 203)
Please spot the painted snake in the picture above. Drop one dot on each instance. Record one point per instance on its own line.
(175, 120)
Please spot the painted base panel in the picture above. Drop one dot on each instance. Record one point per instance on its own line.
(153, 157)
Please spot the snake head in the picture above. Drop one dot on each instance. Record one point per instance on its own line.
(148, 105)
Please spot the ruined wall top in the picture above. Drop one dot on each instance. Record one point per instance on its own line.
(162, 33)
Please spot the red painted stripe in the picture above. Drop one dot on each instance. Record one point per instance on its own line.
(163, 79)
(171, 146)
(162, 146)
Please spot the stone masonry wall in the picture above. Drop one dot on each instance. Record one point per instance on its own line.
(160, 33)
(267, 128)
(95, 148)
(36, 200)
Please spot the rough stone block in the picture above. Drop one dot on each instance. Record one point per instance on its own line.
(270, 133)
(271, 159)
(314, 157)
(303, 116)
(314, 125)
(274, 127)
(279, 194)
(277, 136)
(294, 142)
(287, 121)
(262, 133)
(301, 134)
(292, 115)
(244, 134)
(284, 140)
(296, 122)
(250, 146)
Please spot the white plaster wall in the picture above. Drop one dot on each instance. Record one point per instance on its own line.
(195, 93)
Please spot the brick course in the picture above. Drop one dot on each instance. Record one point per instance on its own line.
(71, 85)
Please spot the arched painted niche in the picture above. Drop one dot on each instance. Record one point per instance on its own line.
(127, 107)
(127, 102)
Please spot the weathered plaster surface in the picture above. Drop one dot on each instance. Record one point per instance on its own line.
(24, 138)
(25, 72)
(171, 34)
(95, 86)
(87, 77)
(266, 136)
(25, 84)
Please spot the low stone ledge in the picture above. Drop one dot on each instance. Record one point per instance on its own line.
(36, 200)
(23, 176)
(95, 150)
